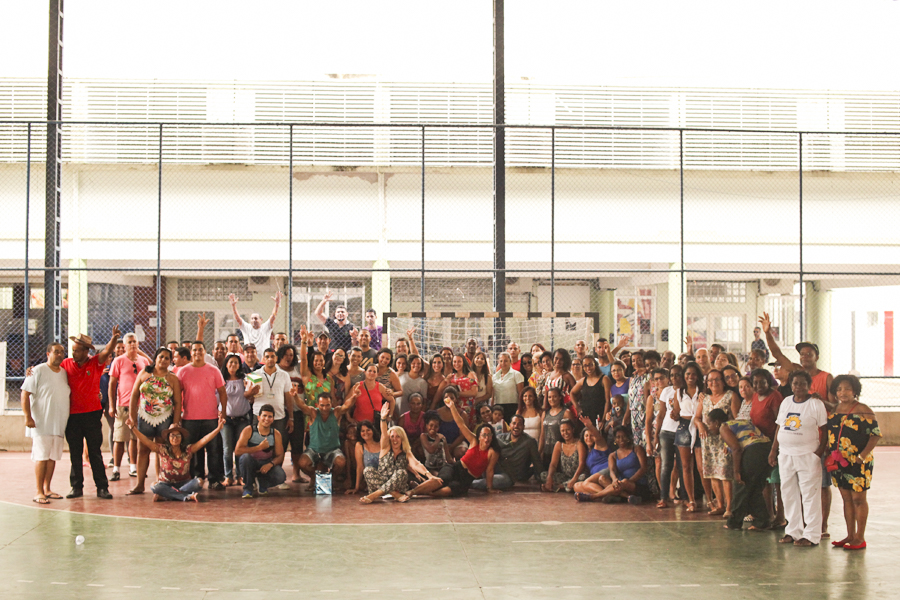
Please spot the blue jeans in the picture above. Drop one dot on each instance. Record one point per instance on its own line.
(249, 467)
(502, 481)
(230, 434)
(177, 491)
(667, 452)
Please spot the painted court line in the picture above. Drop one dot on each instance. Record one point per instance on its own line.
(564, 541)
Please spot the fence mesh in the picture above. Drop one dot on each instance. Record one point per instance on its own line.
(663, 234)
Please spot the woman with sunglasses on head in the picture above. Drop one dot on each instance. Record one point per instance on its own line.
(155, 405)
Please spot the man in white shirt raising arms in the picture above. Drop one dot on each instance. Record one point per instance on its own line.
(257, 331)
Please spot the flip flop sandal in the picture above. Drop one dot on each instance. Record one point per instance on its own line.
(54, 496)
(40, 500)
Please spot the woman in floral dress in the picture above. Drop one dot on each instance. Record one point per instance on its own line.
(718, 466)
(852, 433)
(157, 398)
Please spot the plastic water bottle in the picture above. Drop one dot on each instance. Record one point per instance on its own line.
(79, 540)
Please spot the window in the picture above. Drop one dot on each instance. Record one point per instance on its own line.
(211, 290)
(727, 330)
(716, 291)
(636, 315)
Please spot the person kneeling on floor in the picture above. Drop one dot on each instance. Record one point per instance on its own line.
(324, 435)
(261, 453)
(175, 456)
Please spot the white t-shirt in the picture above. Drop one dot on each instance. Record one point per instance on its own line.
(49, 401)
(272, 389)
(505, 387)
(666, 397)
(798, 426)
(258, 337)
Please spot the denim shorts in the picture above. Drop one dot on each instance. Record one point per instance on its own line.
(154, 431)
(683, 435)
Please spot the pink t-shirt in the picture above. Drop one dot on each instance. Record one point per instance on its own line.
(126, 371)
(199, 398)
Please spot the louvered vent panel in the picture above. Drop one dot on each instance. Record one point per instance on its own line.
(340, 101)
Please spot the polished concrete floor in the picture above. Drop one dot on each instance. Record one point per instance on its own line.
(513, 545)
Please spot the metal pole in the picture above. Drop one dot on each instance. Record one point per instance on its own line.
(26, 361)
(681, 231)
(552, 219)
(290, 290)
(800, 154)
(499, 273)
(422, 284)
(499, 276)
(53, 191)
(159, 243)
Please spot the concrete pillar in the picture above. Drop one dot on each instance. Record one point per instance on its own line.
(381, 280)
(677, 309)
(78, 300)
(817, 317)
(606, 306)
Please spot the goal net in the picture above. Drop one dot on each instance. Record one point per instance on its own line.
(492, 331)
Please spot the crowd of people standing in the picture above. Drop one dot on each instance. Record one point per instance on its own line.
(607, 425)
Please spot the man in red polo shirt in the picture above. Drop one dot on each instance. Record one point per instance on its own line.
(85, 423)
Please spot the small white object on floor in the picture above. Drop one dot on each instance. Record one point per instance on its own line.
(282, 486)
(79, 540)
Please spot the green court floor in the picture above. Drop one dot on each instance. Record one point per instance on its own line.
(141, 558)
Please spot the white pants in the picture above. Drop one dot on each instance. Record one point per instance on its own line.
(801, 487)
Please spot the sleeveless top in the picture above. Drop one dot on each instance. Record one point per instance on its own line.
(559, 382)
(551, 429)
(533, 426)
(412, 428)
(367, 404)
(628, 466)
(593, 400)
(449, 429)
(819, 386)
(476, 460)
(597, 460)
(385, 380)
(256, 439)
(746, 432)
(156, 400)
(370, 459)
(568, 464)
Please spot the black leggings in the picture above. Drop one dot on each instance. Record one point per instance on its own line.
(457, 478)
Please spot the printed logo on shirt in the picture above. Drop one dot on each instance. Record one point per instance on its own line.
(792, 423)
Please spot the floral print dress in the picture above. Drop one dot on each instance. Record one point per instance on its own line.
(717, 461)
(851, 440)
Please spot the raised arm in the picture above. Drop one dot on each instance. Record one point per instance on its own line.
(104, 354)
(623, 341)
(304, 365)
(202, 321)
(320, 309)
(777, 354)
(349, 402)
(154, 447)
(277, 299)
(385, 440)
(460, 422)
(237, 318)
(410, 333)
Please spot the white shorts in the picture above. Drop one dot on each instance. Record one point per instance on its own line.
(46, 447)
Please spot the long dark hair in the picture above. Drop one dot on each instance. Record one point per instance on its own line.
(152, 366)
(279, 354)
(494, 444)
(225, 374)
(376, 435)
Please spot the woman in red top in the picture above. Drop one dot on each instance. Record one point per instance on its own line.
(464, 379)
(766, 402)
(371, 395)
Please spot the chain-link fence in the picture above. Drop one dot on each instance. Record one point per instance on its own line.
(665, 233)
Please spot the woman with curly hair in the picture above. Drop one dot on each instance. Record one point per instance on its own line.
(852, 435)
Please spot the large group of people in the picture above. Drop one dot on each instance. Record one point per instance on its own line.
(608, 425)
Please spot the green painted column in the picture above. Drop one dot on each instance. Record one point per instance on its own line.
(817, 318)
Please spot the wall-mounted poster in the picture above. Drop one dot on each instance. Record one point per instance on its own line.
(636, 316)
